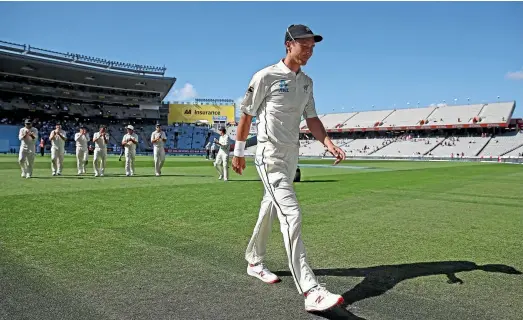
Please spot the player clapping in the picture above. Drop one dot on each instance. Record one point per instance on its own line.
(82, 152)
(129, 142)
(57, 138)
(100, 139)
(26, 157)
(158, 139)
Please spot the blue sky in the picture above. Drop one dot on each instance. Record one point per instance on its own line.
(373, 53)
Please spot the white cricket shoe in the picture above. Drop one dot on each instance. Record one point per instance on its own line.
(79, 172)
(24, 174)
(261, 272)
(27, 176)
(54, 174)
(127, 174)
(96, 174)
(220, 177)
(101, 174)
(319, 299)
(157, 174)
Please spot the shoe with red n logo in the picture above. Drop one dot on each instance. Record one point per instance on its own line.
(319, 299)
(261, 272)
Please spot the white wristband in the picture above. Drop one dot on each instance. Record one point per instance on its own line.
(239, 149)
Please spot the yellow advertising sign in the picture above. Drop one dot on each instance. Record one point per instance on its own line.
(190, 113)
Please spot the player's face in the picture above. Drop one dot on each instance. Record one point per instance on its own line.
(129, 131)
(102, 130)
(58, 127)
(301, 50)
(158, 129)
(82, 131)
(28, 125)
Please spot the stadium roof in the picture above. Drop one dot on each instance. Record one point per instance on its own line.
(72, 69)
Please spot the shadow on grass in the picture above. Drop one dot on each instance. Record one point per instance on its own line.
(380, 279)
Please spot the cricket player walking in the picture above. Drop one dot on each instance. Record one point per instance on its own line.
(158, 139)
(82, 152)
(129, 142)
(57, 138)
(222, 158)
(26, 157)
(278, 96)
(100, 139)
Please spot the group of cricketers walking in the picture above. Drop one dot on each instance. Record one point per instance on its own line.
(29, 135)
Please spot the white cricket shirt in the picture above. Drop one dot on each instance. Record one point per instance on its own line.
(278, 98)
(224, 143)
(130, 146)
(27, 143)
(57, 142)
(99, 142)
(155, 135)
(81, 140)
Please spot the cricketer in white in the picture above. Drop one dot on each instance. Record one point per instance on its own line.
(158, 139)
(222, 158)
(26, 157)
(129, 142)
(57, 137)
(278, 96)
(100, 139)
(82, 152)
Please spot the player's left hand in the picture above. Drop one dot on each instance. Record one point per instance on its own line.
(337, 152)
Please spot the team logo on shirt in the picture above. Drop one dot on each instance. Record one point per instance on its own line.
(306, 88)
(284, 87)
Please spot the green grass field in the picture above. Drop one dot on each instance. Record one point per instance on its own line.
(400, 240)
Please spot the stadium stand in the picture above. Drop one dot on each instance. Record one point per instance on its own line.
(367, 119)
(503, 144)
(463, 146)
(409, 146)
(407, 117)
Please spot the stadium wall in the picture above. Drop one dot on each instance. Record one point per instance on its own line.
(191, 113)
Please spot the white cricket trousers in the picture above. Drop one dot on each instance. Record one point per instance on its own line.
(222, 164)
(276, 167)
(81, 158)
(159, 159)
(26, 159)
(129, 161)
(99, 160)
(57, 159)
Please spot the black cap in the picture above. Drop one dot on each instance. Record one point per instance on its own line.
(300, 31)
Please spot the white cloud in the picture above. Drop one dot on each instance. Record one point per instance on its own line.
(515, 75)
(238, 102)
(187, 92)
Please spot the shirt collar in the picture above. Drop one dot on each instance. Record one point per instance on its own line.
(286, 69)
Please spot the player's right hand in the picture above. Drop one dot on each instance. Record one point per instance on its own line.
(238, 164)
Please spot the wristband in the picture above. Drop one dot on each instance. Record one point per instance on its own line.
(239, 149)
